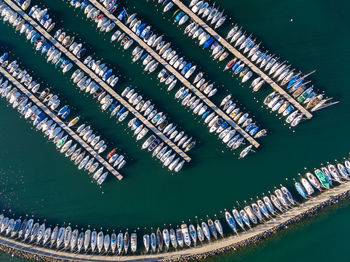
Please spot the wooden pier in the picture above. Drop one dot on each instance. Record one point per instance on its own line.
(64, 127)
(98, 80)
(172, 70)
(245, 60)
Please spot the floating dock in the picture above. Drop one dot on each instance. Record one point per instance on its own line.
(245, 60)
(172, 70)
(98, 80)
(64, 127)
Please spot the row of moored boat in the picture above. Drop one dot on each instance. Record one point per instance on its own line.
(52, 129)
(67, 239)
(144, 32)
(280, 71)
(87, 84)
(323, 178)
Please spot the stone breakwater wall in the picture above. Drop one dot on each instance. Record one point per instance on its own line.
(22, 250)
(257, 238)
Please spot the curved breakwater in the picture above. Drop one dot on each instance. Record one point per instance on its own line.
(261, 232)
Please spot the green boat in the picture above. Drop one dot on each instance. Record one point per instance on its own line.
(61, 142)
(322, 178)
(305, 95)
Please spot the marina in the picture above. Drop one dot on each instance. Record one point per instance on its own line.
(63, 125)
(237, 54)
(180, 77)
(226, 204)
(261, 220)
(246, 43)
(101, 83)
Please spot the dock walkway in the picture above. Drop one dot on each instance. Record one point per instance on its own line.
(245, 60)
(64, 127)
(180, 77)
(98, 80)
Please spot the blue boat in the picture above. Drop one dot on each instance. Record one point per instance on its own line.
(239, 69)
(179, 16)
(44, 19)
(107, 75)
(113, 106)
(165, 2)
(65, 114)
(122, 15)
(3, 57)
(238, 218)
(31, 11)
(144, 56)
(40, 117)
(250, 127)
(62, 110)
(186, 68)
(147, 36)
(84, 4)
(294, 79)
(121, 111)
(208, 42)
(113, 8)
(184, 94)
(153, 241)
(230, 221)
(34, 37)
(206, 114)
(300, 189)
(236, 65)
(212, 228)
(253, 131)
(224, 125)
(245, 218)
(289, 109)
(137, 123)
(297, 84)
(46, 47)
(139, 29)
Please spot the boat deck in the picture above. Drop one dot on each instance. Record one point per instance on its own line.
(245, 60)
(63, 125)
(172, 70)
(98, 80)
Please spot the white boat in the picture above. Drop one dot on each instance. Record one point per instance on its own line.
(102, 178)
(186, 235)
(106, 242)
(309, 189)
(93, 241)
(146, 242)
(87, 238)
(113, 242)
(100, 237)
(67, 236)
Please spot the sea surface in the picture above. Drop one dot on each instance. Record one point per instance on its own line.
(36, 180)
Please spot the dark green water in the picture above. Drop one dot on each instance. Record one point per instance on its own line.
(35, 179)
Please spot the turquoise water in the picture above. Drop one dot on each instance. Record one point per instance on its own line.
(36, 180)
